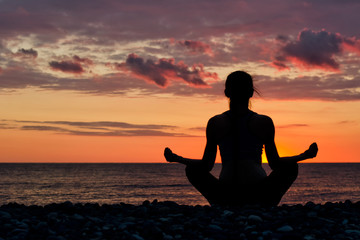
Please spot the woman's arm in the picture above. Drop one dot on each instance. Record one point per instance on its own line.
(209, 155)
(272, 155)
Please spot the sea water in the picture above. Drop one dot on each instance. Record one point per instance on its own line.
(41, 184)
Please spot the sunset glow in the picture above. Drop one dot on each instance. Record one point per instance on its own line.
(118, 81)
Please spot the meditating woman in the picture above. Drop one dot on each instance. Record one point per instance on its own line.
(241, 134)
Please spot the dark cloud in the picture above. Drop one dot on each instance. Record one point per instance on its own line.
(129, 133)
(101, 128)
(312, 49)
(19, 77)
(279, 65)
(82, 60)
(202, 129)
(113, 21)
(43, 128)
(104, 133)
(103, 124)
(330, 88)
(196, 46)
(293, 125)
(162, 71)
(67, 66)
(27, 52)
(6, 126)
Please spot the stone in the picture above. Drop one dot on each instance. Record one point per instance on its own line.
(5, 215)
(312, 214)
(352, 231)
(167, 237)
(227, 213)
(285, 228)
(254, 219)
(137, 237)
(215, 227)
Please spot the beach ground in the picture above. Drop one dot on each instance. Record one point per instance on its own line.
(168, 220)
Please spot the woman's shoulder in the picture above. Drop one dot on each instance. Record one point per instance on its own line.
(261, 118)
(262, 124)
(221, 116)
(219, 120)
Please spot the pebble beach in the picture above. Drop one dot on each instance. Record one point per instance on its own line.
(168, 220)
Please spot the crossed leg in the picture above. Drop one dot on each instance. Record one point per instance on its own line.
(267, 192)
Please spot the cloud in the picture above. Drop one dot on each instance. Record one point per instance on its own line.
(333, 87)
(82, 60)
(202, 129)
(293, 125)
(162, 71)
(314, 49)
(329, 87)
(102, 124)
(102, 128)
(27, 53)
(195, 46)
(67, 66)
(352, 45)
(43, 128)
(104, 133)
(6, 126)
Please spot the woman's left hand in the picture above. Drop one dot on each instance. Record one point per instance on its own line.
(169, 155)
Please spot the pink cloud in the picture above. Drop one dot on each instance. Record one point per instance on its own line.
(352, 45)
(162, 71)
(314, 49)
(279, 65)
(67, 67)
(75, 65)
(196, 46)
(86, 61)
(26, 53)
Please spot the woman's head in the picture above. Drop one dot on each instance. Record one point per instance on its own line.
(239, 86)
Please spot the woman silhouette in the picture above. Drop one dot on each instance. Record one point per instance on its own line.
(241, 134)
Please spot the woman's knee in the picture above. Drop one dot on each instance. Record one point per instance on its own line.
(293, 170)
(288, 171)
(191, 173)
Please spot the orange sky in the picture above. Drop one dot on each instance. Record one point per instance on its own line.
(118, 81)
(333, 125)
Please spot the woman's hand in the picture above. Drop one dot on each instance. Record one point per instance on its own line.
(312, 151)
(170, 156)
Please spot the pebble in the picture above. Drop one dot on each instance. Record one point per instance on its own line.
(285, 228)
(254, 219)
(170, 221)
(227, 213)
(215, 227)
(137, 237)
(5, 215)
(350, 231)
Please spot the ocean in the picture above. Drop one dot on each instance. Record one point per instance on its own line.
(133, 183)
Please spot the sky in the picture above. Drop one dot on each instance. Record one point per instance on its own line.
(118, 81)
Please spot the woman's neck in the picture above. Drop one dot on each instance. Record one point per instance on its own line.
(239, 107)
